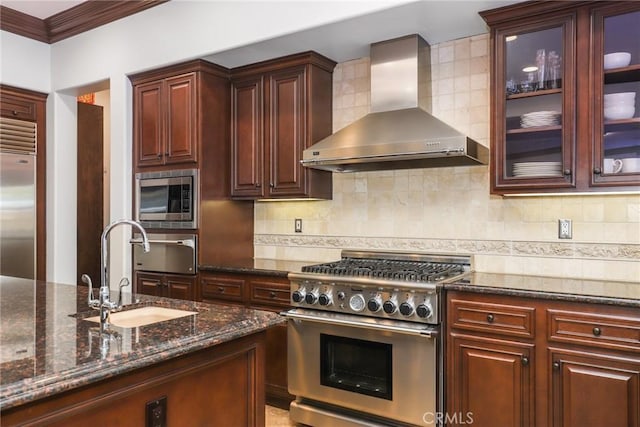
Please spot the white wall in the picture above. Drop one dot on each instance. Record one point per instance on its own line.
(169, 33)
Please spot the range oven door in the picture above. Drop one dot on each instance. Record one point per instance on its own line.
(375, 367)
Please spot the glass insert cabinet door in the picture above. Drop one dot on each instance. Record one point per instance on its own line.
(534, 143)
(617, 101)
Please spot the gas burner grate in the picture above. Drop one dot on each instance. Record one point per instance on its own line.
(411, 271)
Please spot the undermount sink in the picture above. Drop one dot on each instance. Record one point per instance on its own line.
(143, 316)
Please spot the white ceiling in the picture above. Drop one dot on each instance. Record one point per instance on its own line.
(435, 20)
(40, 8)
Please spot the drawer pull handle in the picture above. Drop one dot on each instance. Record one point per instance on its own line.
(490, 318)
(525, 361)
(556, 366)
(597, 332)
(272, 294)
(221, 289)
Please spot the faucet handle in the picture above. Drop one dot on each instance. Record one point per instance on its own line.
(86, 279)
(124, 282)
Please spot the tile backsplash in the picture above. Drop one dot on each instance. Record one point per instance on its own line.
(450, 209)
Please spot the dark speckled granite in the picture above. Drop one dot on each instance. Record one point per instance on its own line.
(46, 347)
(589, 291)
(263, 267)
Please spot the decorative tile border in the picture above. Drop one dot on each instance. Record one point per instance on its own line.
(612, 251)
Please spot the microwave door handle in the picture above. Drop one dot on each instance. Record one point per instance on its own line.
(182, 242)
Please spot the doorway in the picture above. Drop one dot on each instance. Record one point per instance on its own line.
(90, 189)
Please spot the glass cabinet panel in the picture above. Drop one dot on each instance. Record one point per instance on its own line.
(533, 111)
(619, 110)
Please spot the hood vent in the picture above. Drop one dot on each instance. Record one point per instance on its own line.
(400, 132)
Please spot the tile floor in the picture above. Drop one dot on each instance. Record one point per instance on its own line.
(276, 417)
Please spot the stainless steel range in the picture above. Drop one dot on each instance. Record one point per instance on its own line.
(363, 342)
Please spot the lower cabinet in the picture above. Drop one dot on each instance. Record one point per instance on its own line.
(166, 285)
(594, 389)
(494, 384)
(264, 293)
(532, 362)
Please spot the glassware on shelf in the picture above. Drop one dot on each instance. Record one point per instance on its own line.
(554, 79)
(541, 62)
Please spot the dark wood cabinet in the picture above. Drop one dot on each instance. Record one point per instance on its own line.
(495, 383)
(166, 285)
(550, 128)
(264, 293)
(180, 114)
(490, 354)
(590, 389)
(527, 362)
(216, 386)
(26, 105)
(279, 108)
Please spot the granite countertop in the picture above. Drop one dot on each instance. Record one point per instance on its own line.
(46, 347)
(558, 288)
(264, 267)
(594, 291)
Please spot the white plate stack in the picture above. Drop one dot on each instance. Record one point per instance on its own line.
(540, 118)
(534, 169)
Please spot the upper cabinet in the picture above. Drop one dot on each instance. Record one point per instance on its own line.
(279, 108)
(565, 115)
(181, 113)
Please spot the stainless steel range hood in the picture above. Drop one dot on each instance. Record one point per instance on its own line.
(400, 132)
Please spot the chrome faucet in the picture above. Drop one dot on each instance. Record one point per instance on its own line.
(103, 302)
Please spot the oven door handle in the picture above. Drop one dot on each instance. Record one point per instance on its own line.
(379, 325)
(186, 242)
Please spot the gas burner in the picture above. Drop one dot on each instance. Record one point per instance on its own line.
(391, 285)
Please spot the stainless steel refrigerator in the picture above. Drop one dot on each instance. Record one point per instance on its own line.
(17, 200)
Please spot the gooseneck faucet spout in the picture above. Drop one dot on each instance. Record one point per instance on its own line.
(103, 303)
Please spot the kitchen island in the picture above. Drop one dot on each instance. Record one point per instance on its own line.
(56, 368)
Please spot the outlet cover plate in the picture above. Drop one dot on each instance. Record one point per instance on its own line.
(565, 229)
(298, 225)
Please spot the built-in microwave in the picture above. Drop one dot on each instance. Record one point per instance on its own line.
(167, 199)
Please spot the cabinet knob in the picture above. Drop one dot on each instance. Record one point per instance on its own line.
(597, 171)
(597, 331)
(14, 112)
(556, 366)
(258, 185)
(567, 172)
(272, 294)
(490, 318)
(525, 361)
(221, 289)
(271, 185)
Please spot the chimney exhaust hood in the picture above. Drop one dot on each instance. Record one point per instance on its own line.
(400, 132)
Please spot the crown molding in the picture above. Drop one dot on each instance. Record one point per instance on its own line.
(78, 19)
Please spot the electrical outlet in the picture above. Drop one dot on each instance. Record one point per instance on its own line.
(156, 413)
(564, 229)
(298, 225)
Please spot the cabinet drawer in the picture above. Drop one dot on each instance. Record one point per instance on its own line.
(222, 288)
(494, 318)
(17, 108)
(270, 293)
(606, 331)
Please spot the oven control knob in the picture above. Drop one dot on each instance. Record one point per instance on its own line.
(298, 296)
(311, 298)
(341, 295)
(406, 308)
(356, 302)
(389, 307)
(374, 304)
(325, 299)
(424, 311)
